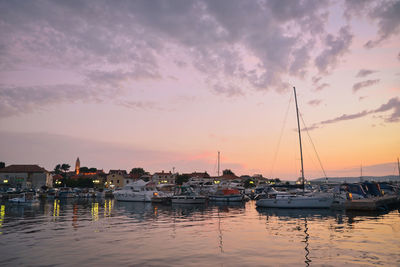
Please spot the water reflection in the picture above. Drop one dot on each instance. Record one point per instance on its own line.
(56, 208)
(307, 236)
(193, 235)
(2, 214)
(95, 211)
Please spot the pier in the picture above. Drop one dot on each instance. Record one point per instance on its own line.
(372, 204)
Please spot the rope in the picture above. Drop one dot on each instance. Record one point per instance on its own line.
(315, 150)
(280, 138)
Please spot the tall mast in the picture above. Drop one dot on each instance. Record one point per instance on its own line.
(298, 128)
(398, 166)
(218, 163)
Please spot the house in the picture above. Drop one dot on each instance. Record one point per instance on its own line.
(26, 176)
(163, 178)
(116, 178)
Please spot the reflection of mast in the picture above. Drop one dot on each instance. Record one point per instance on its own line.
(221, 245)
(307, 260)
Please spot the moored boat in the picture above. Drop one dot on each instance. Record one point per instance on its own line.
(186, 195)
(227, 195)
(300, 200)
(140, 191)
(25, 198)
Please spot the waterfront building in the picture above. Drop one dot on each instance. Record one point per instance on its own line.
(26, 176)
(116, 178)
(163, 178)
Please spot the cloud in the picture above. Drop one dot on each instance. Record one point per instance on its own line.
(146, 105)
(334, 48)
(393, 105)
(114, 44)
(367, 83)
(229, 91)
(384, 13)
(364, 72)
(321, 86)
(315, 102)
(387, 16)
(130, 39)
(17, 100)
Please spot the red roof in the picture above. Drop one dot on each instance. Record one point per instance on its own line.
(22, 168)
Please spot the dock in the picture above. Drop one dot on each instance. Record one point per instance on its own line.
(372, 204)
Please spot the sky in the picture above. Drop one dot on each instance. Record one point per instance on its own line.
(165, 85)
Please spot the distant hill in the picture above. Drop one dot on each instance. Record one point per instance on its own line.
(387, 178)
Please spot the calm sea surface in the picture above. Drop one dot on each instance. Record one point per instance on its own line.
(107, 232)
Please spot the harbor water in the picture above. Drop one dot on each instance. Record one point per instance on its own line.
(107, 233)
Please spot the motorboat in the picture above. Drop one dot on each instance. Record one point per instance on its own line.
(186, 195)
(164, 194)
(227, 195)
(140, 191)
(25, 198)
(65, 192)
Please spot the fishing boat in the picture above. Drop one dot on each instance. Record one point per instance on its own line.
(140, 191)
(185, 195)
(299, 200)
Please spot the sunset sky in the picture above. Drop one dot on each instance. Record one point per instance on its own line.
(163, 84)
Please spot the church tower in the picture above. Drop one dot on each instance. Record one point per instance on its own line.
(77, 166)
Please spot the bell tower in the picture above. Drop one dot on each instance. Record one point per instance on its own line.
(77, 166)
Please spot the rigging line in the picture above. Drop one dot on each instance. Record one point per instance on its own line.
(280, 137)
(315, 150)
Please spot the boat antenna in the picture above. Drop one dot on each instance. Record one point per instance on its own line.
(298, 128)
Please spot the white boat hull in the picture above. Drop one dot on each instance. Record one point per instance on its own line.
(298, 202)
(133, 196)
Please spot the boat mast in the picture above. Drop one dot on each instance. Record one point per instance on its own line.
(398, 166)
(298, 128)
(218, 163)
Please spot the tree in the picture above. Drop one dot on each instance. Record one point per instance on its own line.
(65, 167)
(181, 178)
(138, 172)
(57, 169)
(227, 172)
(2, 165)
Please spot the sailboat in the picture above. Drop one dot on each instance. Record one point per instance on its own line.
(299, 200)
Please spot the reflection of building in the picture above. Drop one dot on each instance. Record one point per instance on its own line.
(77, 166)
(163, 178)
(25, 176)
